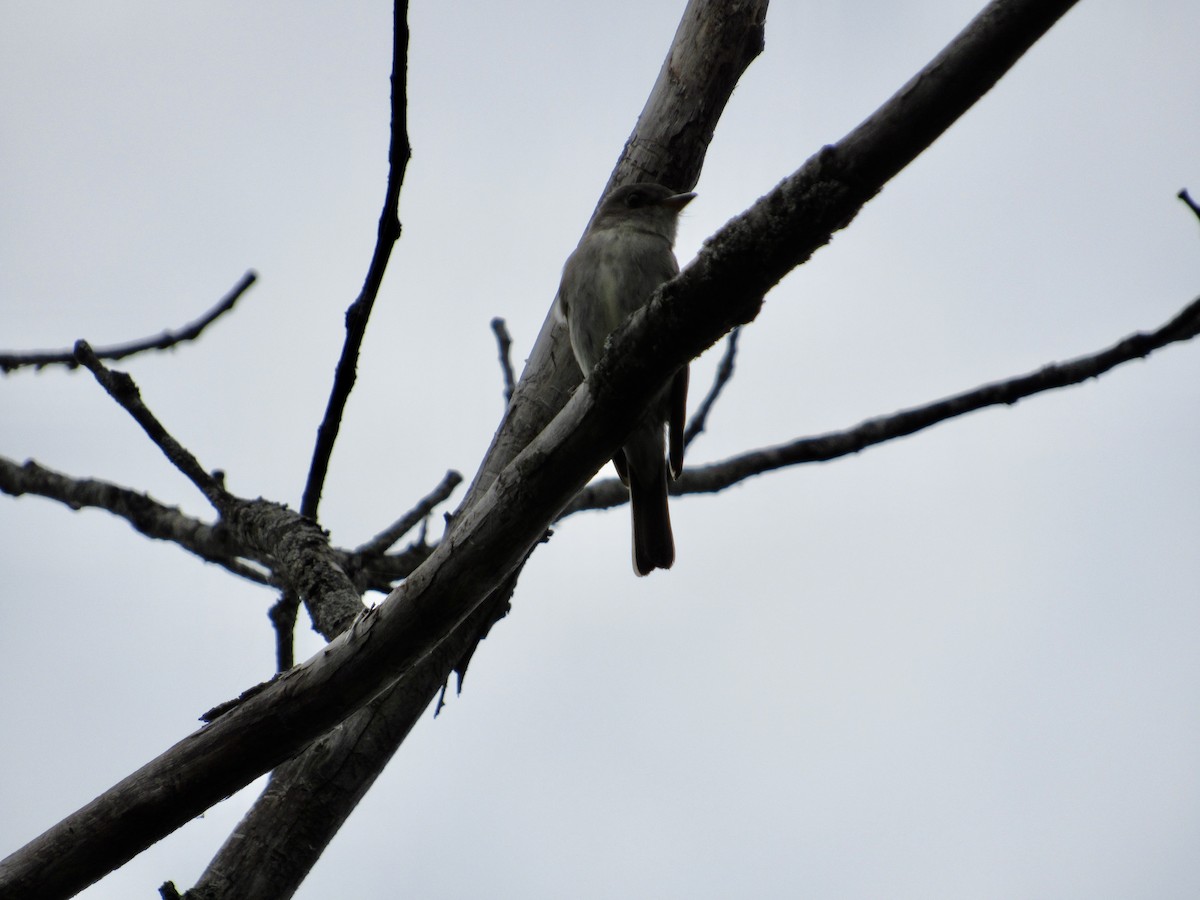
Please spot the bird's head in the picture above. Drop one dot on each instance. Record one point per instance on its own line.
(646, 206)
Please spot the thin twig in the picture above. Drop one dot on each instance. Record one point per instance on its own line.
(1187, 198)
(724, 373)
(360, 310)
(121, 387)
(504, 345)
(822, 448)
(40, 358)
(383, 541)
(301, 557)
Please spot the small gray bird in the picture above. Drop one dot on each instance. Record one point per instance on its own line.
(623, 257)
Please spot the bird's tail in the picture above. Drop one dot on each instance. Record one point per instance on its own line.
(653, 544)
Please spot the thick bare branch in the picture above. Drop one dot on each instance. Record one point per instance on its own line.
(265, 823)
(166, 340)
(371, 569)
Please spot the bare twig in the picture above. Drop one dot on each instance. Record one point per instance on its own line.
(383, 541)
(359, 311)
(189, 332)
(1182, 327)
(822, 448)
(504, 345)
(724, 372)
(121, 387)
(1187, 198)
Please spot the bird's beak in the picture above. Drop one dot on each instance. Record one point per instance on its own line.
(677, 202)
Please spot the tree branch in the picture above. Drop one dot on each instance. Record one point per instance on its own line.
(297, 549)
(370, 569)
(504, 346)
(164, 341)
(723, 374)
(121, 387)
(1187, 198)
(825, 447)
(212, 543)
(359, 311)
(383, 541)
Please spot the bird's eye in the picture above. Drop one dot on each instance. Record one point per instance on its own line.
(635, 199)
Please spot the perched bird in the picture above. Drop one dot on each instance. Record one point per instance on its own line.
(623, 257)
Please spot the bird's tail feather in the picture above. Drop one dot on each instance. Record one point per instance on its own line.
(653, 543)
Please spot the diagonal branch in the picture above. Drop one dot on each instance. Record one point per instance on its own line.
(121, 387)
(372, 569)
(825, 447)
(383, 541)
(212, 543)
(164, 341)
(298, 551)
(1191, 204)
(359, 311)
(504, 347)
(723, 374)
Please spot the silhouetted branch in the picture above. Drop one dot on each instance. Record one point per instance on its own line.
(383, 541)
(724, 372)
(298, 550)
(189, 332)
(283, 619)
(359, 311)
(212, 543)
(504, 345)
(822, 448)
(259, 870)
(1187, 198)
(121, 387)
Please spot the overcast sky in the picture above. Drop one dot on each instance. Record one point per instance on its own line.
(964, 664)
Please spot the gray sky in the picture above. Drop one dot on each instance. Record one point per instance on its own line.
(959, 665)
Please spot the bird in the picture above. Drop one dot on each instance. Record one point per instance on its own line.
(622, 258)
